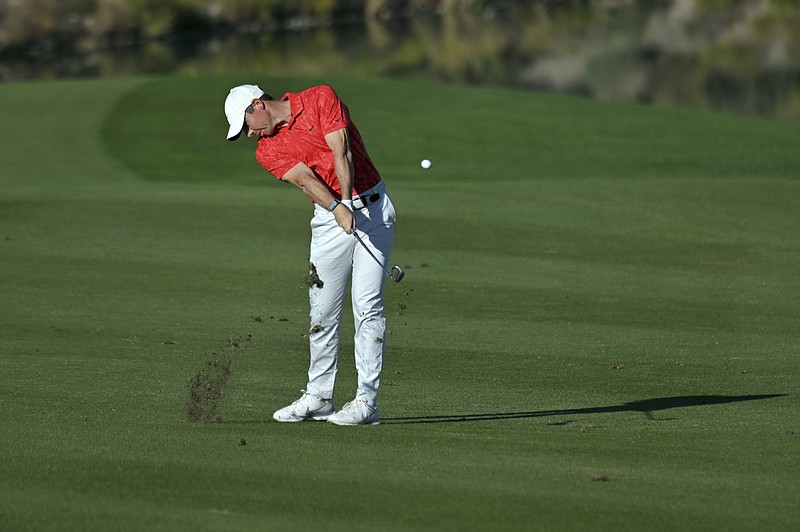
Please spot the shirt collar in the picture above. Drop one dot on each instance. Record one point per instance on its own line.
(296, 105)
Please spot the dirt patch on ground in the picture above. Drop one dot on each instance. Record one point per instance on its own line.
(208, 385)
(205, 390)
(402, 304)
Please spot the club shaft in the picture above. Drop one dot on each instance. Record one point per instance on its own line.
(372, 254)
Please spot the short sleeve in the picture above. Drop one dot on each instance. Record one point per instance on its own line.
(332, 112)
(277, 166)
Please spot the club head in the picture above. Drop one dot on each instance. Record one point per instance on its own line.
(397, 274)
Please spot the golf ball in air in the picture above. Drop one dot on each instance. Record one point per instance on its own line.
(425, 164)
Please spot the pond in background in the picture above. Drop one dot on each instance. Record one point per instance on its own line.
(743, 58)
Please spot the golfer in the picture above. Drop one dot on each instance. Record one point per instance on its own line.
(308, 139)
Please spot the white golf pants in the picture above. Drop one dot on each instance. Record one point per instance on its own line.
(338, 258)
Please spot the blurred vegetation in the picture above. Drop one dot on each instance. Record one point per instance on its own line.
(24, 23)
(732, 55)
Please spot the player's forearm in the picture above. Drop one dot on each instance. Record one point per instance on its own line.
(344, 173)
(322, 196)
(303, 178)
(317, 191)
(339, 143)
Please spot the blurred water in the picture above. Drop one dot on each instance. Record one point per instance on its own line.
(742, 57)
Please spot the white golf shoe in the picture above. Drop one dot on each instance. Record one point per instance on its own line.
(356, 412)
(307, 407)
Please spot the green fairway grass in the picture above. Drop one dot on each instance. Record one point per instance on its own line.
(598, 328)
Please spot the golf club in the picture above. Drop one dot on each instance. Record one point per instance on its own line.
(395, 275)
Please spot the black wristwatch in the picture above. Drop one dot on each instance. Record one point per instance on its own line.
(333, 204)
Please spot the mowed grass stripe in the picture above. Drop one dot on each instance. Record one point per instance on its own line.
(53, 133)
(485, 135)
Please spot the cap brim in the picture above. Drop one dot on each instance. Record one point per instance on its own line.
(236, 128)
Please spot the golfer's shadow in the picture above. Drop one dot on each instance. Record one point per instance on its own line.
(645, 406)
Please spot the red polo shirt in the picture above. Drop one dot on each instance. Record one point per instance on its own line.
(316, 112)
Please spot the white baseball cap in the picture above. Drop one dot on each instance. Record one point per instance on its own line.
(237, 101)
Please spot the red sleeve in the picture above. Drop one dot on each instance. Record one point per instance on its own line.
(333, 114)
(277, 166)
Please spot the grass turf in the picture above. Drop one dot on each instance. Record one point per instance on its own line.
(597, 330)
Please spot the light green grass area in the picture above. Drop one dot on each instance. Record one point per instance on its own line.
(598, 328)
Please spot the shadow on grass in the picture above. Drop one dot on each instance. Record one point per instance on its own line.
(645, 406)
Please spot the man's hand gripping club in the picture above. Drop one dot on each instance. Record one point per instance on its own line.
(345, 218)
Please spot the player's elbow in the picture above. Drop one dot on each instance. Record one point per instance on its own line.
(300, 176)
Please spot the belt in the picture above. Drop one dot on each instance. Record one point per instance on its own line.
(361, 202)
